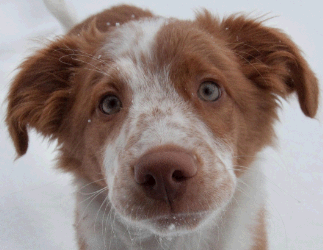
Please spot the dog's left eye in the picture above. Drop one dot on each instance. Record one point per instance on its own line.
(110, 105)
(209, 91)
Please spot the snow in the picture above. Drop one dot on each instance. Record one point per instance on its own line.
(171, 227)
(36, 200)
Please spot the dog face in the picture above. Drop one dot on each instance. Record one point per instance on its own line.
(166, 114)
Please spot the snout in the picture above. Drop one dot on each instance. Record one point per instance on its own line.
(171, 189)
(164, 174)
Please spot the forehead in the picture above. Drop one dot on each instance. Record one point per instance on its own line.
(131, 49)
(134, 40)
(163, 47)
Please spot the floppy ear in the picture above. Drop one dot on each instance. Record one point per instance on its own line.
(43, 92)
(268, 58)
(39, 94)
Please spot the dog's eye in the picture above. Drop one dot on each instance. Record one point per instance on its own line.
(209, 91)
(110, 105)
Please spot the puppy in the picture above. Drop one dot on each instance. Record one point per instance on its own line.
(161, 121)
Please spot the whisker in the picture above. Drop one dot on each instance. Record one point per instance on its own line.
(90, 183)
(95, 195)
(97, 214)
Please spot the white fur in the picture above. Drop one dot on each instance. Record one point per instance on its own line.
(134, 37)
(241, 215)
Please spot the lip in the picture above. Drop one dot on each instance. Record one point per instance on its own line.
(175, 223)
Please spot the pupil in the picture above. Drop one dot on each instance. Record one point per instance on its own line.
(207, 91)
(112, 103)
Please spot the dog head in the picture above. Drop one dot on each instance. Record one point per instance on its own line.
(166, 114)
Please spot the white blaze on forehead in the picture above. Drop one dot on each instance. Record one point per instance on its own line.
(128, 43)
(135, 37)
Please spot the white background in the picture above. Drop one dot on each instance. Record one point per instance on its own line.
(36, 200)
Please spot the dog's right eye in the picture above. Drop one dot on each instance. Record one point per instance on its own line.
(110, 104)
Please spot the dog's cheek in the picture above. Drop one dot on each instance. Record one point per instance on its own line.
(223, 178)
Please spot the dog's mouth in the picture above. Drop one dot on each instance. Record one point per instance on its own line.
(177, 223)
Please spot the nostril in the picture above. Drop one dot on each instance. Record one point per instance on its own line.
(178, 176)
(149, 181)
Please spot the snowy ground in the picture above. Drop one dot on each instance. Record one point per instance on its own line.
(36, 201)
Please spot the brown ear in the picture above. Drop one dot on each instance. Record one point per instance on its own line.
(39, 94)
(268, 58)
(42, 93)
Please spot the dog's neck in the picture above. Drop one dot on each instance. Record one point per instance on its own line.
(100, 227)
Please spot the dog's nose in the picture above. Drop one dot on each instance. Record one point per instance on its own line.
(163, 175)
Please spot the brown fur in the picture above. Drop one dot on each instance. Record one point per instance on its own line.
(260, 232)
(57, 90)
